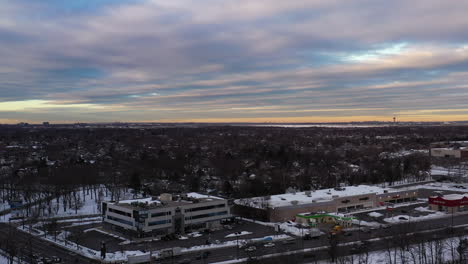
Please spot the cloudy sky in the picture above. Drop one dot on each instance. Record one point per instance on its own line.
(233, 60)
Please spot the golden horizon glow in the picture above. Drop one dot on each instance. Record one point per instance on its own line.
(279, 120)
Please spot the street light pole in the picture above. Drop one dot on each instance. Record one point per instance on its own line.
(453, 208)
(237, 248)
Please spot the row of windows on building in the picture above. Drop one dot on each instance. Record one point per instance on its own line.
(161, 222)
(161, 214)
(120, 212)
(205, 215)
(205, 207)
(195, 209)
(120, 220)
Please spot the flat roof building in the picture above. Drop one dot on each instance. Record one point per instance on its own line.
(283, 207)
(166, 214)
(449, 203)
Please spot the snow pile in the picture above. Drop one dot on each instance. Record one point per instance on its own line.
(243, 233)
(194, 234)
(423, 209)
(375, 214)
(406, 218)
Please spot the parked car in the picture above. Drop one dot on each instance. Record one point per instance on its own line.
(269, 244)
(289, 241)
(402, 218)
(184, 261)
(366, 230)
(251, 248)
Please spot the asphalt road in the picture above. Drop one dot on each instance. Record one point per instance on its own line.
(417, 231)
(25, 244)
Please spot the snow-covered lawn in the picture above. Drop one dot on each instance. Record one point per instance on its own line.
(89, 204)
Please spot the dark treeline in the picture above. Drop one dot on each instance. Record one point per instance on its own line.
(229, 161)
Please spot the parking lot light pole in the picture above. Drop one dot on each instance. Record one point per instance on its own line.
(237, 247)
(453, 209)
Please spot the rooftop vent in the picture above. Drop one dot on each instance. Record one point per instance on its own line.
(295, 202)
(165, 197)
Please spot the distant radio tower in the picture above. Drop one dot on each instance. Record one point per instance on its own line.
(394, 119)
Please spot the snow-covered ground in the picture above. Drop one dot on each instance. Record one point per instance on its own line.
(89, 204)
(234, 243)
(375, 214)
(423, 209)
(3, 260)
(432, 251)
(242, 233)
(406, 218)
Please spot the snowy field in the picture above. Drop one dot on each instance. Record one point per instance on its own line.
(89, 204)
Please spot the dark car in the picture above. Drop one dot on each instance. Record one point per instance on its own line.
(206, 254)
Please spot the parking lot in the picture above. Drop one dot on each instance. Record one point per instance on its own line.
(93, 238)
(413, 211)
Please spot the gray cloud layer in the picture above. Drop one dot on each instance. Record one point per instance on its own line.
(209, 59)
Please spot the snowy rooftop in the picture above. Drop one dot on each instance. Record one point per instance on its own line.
(202, 196)
(148, 201)
(177, 199)
(454, 197)
(323, 195)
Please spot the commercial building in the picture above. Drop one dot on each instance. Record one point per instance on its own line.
(450, 203)
(283, 207)
(166, 214)
(459, 153)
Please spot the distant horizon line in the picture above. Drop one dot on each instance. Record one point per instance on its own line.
(246, 122)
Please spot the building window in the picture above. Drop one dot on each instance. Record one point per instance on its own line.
(205, 208)
(162, 222)
(364, 198)
(161, 214)
(120, 212)
(120, 220)
(205, 215)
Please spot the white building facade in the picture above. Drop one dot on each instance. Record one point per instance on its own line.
(167, 214)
